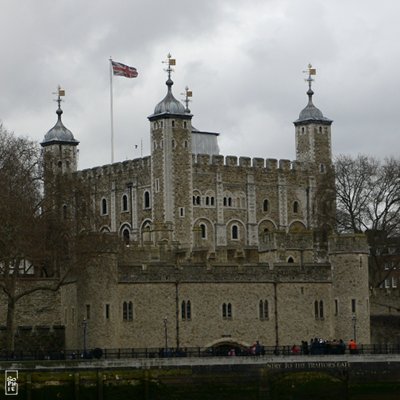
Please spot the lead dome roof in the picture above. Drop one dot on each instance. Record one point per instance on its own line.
(59, 134)
(311, 113)
(169, 104)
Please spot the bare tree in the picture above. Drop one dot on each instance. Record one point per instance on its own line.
(368, 200)
(368, 194)
(38, 242)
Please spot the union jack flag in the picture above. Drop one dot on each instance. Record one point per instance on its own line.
(123, 70)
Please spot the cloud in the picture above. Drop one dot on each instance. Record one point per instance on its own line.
(243, 61)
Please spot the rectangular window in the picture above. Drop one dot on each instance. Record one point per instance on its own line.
(181, 212)
(394, 282)
(353, 306)
(87, 311)
(107, 311)
(387, 283)
(336, 307)
(157, 185)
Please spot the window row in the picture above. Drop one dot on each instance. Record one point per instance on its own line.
(227, 311)
(234, 231)
(160, 144)
(160, 124)
(267, 207)
(104, 206)
(228, 201)
(389, 283)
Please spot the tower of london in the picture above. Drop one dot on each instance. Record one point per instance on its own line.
(217, 250)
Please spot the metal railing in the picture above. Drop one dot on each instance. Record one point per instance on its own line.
(132, 353)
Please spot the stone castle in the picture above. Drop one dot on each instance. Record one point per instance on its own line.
(198, 249)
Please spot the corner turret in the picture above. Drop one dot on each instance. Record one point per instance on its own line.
(313, 132)
(59, 144)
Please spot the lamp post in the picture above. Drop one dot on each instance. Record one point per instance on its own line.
(84, 336)
(166, 333)
(354, 319)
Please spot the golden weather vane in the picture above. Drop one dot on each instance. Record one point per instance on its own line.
(60, 93)
(188, 93)
(170, 62)
(310, 71)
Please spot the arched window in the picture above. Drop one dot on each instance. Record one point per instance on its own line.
(104, 207)
(198, 200)
(316, 310)
(227, 311)
(146, 199)
(295, 207)
(203, 231)
(188, 310)
(290, 260)
(207, 201)
(212, 200)
(235, 232)
(126, 235)
(266, 205)
(229, 201)
(124, 202)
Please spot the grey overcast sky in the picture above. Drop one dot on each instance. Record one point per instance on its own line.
(242, 59)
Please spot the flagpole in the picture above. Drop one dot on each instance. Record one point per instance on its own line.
(111, 112)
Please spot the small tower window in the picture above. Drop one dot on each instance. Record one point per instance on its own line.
(173, 123)
(124, 202)
(266, 205)
(185, 124)
(185, 143)
(146, 197)
(295, 207)
(104, 210)
(65, 211)
(290, 260)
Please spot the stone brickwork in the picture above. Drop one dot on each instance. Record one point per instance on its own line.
(202, 249)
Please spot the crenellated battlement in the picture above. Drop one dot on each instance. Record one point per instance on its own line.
(246, 162)
(136, 164)
(348, 243)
